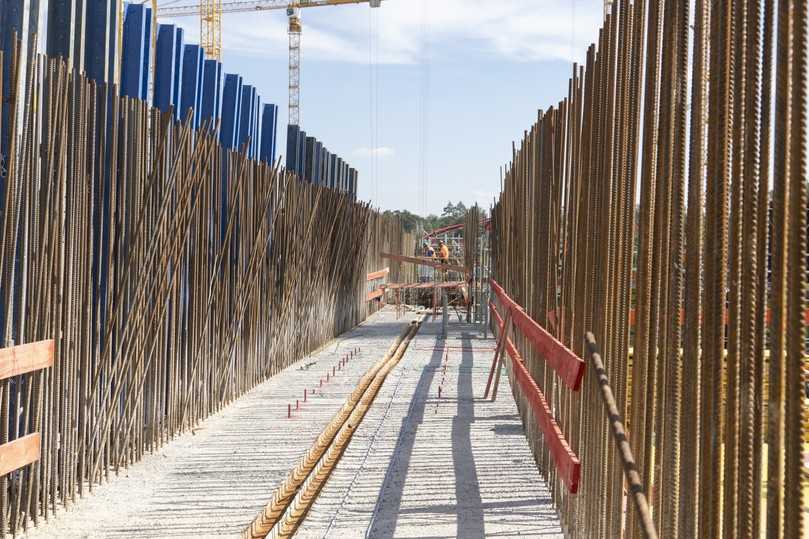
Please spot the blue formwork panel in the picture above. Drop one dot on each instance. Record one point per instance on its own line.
(60, 26)
(309, 159)
(325, 157)
(96, 40)
(147, 52)
(318, 162)
(345, 177)
(301, 154)
(352, 189)
(200, 87)
(211, 92)
(255, 133)
(338, 174)
(231, 96)
(179, 56)
(245, 116)
(274, 141)
(269, 122)
(333, 172)
(192, 82)
(321, 165)
(292, 147)
(112, 41)
(135, 53)
(218, 101)
(237, 126)
(165, 67)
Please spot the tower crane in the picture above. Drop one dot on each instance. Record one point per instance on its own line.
(210, 21)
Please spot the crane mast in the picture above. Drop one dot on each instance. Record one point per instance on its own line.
(294, 66)
(210, 26)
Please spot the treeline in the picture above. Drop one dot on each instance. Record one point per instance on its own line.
(452, 214)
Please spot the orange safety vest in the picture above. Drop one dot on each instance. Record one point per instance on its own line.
(444, 252)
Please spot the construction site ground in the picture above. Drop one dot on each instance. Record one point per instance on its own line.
(419, 465)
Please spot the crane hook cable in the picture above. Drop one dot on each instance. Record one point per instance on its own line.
(292, 499)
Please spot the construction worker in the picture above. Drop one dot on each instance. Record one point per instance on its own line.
(443, 253)
(428, 250)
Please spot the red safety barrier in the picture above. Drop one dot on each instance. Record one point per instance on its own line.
(566, 462)
(559, 357)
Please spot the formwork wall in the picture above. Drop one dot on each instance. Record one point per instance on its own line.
(173, 273)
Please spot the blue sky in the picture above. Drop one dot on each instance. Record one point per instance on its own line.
(481, 68)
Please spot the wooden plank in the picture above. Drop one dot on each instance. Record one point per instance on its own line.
(373, 294)
(24, 358)
(421, 262)
(429, 284)
(18, 453)
(559, 357)
(378, 274)
(567, 463)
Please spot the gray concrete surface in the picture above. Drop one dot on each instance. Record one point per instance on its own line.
(418, 466)
(425, 467)
(213, 482)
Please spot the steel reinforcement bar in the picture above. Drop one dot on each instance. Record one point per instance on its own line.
(172, 275)
(662, 206)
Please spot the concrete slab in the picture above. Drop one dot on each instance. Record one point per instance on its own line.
(213, 482)
(430, 467)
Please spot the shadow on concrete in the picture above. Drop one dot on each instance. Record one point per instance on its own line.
(389, 501)
(469, 507)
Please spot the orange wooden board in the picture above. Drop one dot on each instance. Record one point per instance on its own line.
(421, 262)
(378, 274)
(373, 294)
(18, 453)
(24, 358)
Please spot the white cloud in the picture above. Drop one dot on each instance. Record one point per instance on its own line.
(380, 152)
(515, 30)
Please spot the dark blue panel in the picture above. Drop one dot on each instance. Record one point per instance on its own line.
(218, 100)
(292, 147)
(147, 51)
(301, 154)
(60, 17)
(318, 163)
(333, 172)
(274, 145)
(190, 86)
(112, 41)
(269, 119)
(324, 159)
(238, 117)
(134, 80)
(179, 56)
(353, 186)
(210, 92)
(309, 158)
(200, 88)
(96, 41)
(164, 67)
(231, 96)
(246, 115)
(255, 133)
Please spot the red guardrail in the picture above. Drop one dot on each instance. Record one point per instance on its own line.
(559, 357)
(565, 460)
